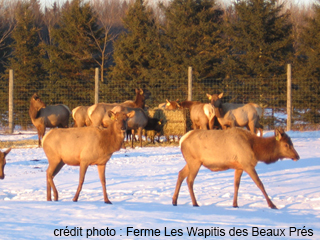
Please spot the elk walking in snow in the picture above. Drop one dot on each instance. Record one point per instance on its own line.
(83, 147)
(234, 148)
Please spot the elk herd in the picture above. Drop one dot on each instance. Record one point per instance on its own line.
(217, 141)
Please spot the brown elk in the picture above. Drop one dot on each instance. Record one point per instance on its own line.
(80, 116)
(237, 115)
(3, 162)
(172, 105)
(83, 147)
(139, 101)
(43, 116)
(188, 104)
(233, 148)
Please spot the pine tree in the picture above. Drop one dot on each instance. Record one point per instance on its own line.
(70, 55)
(136, 51)
(261, 44)
(194, 37)
(25, 58)
(307, 65)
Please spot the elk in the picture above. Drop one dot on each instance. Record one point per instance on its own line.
(43, 116)
(154, 125)
(188, 104)
(139, 101)
(202, 116)
(172, 105)
(136, 123)
(233, 148)
(83, 147)
(3, 162)
(80, 116)
(237, 115)
(98, 114)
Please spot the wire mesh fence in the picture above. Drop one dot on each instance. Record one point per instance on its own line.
(269, 93)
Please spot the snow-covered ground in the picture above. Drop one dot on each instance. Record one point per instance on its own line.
(140, 184)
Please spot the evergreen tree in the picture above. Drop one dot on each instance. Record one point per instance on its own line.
(261, 43)
(307, 65)
(70, 56)
(193, 32)
(25, 59)
(136, 51)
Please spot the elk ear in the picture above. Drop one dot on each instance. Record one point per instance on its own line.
(131, 114)
(209, 96)
(277, 134)
(6, 152)
(112, 115)
(141, 91)
(220, 95)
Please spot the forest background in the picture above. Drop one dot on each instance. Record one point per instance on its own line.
(246, 44)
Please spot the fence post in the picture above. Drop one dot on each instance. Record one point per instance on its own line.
(10, 117)
(96, 86)
(289, 103)
(189, 83)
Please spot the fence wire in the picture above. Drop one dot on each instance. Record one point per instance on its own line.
(271, 94)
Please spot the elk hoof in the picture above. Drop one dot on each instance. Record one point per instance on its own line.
(196, 205)
(108, 202)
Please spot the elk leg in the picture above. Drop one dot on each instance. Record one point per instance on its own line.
(251, 126)
(132, 136)
(41, 131)
(182, 175)
(193, 171)
(253, 174)
(102, 176)
(53, 170)
(237, 178)
(140, 136)
(83, 170)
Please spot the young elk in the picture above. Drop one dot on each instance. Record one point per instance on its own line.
(83, 147)
(233, 148)
(3, 162)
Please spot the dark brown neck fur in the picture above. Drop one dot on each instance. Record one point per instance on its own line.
(265, 149)
(139, 101)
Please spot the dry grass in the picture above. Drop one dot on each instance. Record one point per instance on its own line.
(19, 144)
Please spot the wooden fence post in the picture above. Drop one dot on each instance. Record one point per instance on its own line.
(289, 102)
(10, 117)
(96, 84)
(189, 83)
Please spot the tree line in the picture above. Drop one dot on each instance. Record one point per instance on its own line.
(137, 44)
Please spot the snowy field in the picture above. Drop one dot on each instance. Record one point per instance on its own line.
(140, 184)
